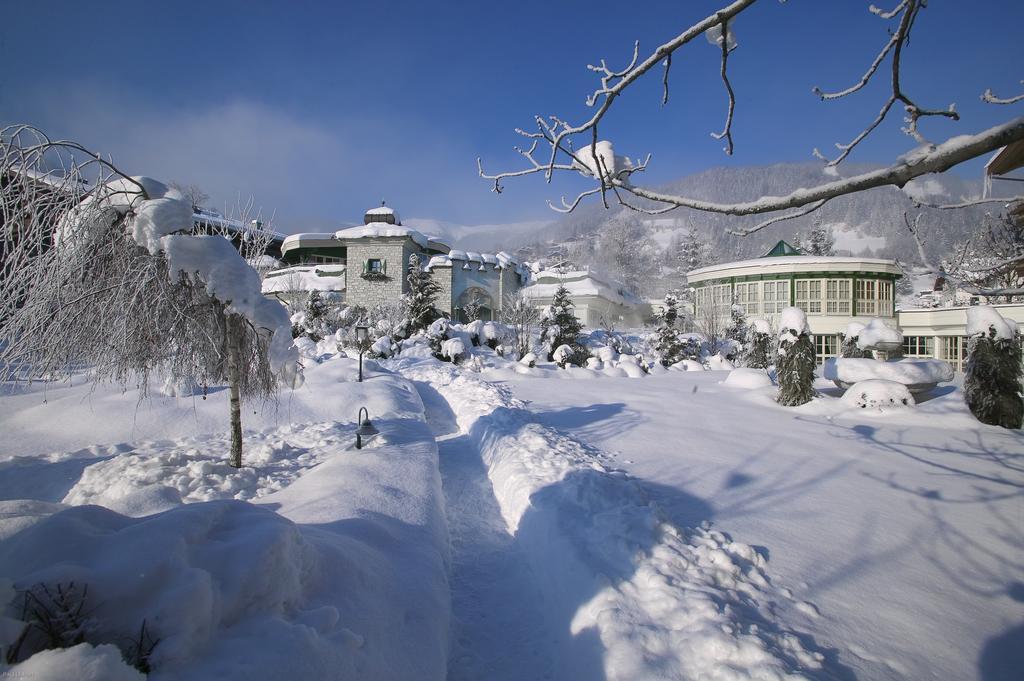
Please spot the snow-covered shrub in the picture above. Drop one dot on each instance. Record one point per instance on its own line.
(992, 381)
(520, 315)
(575, 355)
(795, 360)
(878, 394)
(492, 333)
(719, 362)
(529, 359)
(758, 351)
(735, 334)
(850, 345)
(668, 345)
(384, 347)
(453, 350)
(559, 325)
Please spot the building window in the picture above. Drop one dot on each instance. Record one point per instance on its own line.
(775, 296)
(918, 346)
(808, 295)
(322, 260)
(721, 295)
(825, 346)
(748, 295)
(375, 266)
(867, 293)
(885, 299)
(837, 296)
(953, 349)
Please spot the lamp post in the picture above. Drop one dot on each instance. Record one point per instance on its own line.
(362, 340)
(365, 429)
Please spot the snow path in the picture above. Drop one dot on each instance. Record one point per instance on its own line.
(625, 594)
(498, 624)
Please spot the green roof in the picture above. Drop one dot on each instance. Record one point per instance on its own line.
(780, 249)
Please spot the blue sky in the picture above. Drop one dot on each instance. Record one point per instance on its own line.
(319, 110)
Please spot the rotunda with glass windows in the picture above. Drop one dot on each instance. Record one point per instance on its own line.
(832, 290)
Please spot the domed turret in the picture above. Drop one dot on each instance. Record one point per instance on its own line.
(382, 213)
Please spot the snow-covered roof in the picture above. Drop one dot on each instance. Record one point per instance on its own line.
(579, 283)
(305, 278)
(383, 230)
(795, 263)
(500, 260)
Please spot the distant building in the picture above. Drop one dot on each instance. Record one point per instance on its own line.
(597, 301)
(832, 290)
(369, 265)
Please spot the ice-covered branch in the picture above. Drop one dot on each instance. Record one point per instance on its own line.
(989, 97)
(921, 161)
(779, 218)
(966, 203)
(727, 130)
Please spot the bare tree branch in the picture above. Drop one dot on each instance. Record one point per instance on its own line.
(992, 99)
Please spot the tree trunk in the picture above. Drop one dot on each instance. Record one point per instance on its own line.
(234, 381)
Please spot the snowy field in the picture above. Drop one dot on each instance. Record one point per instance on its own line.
(504, 525)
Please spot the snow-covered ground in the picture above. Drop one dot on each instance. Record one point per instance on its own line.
(339, 570)
(671, 525)
(896, 540)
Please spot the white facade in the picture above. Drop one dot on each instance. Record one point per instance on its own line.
(942, 332)
(596, 301)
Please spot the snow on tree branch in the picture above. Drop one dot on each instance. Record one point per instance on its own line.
(989, 97)
(614, 174)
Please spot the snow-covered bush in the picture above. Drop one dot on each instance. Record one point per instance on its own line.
(736, 332)
(668, 345)
(992, 381)
(520, 316)
(453, 350)
(795, 360)
(576, 355)
(879, 332)
(758, 351)
(849, 342)
(559, 325)
(878, 394)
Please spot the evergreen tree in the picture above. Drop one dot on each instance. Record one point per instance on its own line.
(668, 344)
(422, 295)
(819, 241)
(992, 382)
(736, 331)
(758, 352)
(848, 348)
(558, 325)
(795, 361)
(693, 253)
(316, 323)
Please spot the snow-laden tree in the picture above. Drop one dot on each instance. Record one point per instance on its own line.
(992, 380)
(993, 257)
(736, 331)
(757, 353)
(628, 253)
(520, 314)
(668, 344)
(558, 324)
(556, 146)
(794, 363)
(849, 348)
(101, 274)
(819, 241)
(421, 299)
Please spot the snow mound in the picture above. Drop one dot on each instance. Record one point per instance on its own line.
(982, 319)
(160, 475)
(878, 395)
(906, 370)
(719, 363)
(688, 365)
(747, 379)
(82, 663)
(878, 332)
(214, 564)
(453, 349)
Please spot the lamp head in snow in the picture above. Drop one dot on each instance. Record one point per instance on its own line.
(362, 335)
(365, 429)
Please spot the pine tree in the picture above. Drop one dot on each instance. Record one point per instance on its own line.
(668, 344)
(315, 324)
(992, 382)
(795, 361)
(559, 325)
(819, 241)
(737, 331)
(758, 352)
(422, 295)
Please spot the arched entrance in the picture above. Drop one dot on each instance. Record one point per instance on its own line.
(474, 303)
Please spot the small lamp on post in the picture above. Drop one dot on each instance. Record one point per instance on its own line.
(365, 429)
(362, 341)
